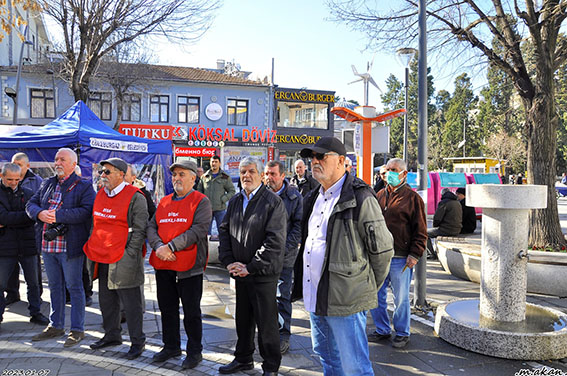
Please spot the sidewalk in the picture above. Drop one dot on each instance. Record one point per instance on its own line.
(425, 355)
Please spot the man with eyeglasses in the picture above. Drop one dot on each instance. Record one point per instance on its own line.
(404, 212)
(62, 209)
(344, 257)
(380, 179)
(117, 248)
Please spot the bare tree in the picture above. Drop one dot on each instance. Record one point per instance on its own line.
(9, 21)
(502, 146)
(454, 26)
(93, 29)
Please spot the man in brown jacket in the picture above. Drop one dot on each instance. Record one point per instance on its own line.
(404, 212)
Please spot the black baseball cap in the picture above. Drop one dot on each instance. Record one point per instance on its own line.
(116, 162)
(324, 145)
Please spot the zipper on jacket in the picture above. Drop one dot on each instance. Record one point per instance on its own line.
(372, 235)
(353, 253)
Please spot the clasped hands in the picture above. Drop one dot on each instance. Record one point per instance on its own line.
(164, 253)
(237, 269)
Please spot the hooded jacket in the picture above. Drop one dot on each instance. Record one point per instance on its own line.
(359, 248)
(449, 215)
(218, 189)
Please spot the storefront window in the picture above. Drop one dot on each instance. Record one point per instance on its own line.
(303, 115)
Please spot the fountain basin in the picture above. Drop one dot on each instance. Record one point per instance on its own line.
(541, 336)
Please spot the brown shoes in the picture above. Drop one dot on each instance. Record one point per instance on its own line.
(74, 337)
(48, 333)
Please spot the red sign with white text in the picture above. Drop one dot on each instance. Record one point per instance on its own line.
(155, 132)
(195, 152)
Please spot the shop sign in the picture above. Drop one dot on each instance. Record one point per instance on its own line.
(194, 152)
(296, 139)
(155, 132)
(215, 134)
(303, 96)
(106, 144)
(213, 111)
(270, 153)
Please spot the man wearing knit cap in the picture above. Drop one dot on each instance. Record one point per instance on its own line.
(116, 246)
(177, 234)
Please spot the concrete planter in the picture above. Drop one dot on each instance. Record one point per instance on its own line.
(547, 271)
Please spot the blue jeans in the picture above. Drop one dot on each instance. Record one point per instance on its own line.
(284, 302)
(65, 272)
(341, 344)
(218, 216)
(29, 266)
(400, 283)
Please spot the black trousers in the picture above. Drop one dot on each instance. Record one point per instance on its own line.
(256, 305)
(110, 300)
(170, 290)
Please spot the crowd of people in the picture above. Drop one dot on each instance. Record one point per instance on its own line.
(323, 236)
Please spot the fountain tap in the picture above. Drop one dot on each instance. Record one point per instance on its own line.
(523, 254)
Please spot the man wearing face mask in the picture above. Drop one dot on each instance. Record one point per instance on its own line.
(404, 213)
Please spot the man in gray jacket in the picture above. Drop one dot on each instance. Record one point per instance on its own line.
(344, 258)
(117, 246)
(217, 186)
(177, 234)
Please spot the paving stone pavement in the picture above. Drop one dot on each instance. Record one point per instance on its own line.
(425, 355)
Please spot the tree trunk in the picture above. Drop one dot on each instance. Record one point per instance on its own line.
(541, 125)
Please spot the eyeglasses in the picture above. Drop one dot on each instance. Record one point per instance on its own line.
(321, 156)
(105, 172)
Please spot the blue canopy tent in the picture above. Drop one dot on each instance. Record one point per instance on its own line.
(81, 130)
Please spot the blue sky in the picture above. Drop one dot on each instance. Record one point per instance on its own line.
(308, 50)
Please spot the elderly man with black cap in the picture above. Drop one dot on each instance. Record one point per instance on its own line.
(344, 257)
(116, 246)
(177, 234)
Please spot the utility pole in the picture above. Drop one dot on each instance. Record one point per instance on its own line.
(420, 282)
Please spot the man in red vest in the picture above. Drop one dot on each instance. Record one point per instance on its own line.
(177, 234)
(116, 245)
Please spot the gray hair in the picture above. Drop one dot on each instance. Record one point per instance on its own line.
(400, 163)
(297, 162)
(133, 170)
(12, 167)
(251, 160)
(20, 156)
(71, 153)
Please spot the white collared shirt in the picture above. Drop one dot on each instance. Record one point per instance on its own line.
(247, 199)
(116, 190)
(316, 242)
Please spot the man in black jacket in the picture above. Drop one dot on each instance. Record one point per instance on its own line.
(302, 179)
(447, 220)
(17, 237)
(469, 213)
(252, 247)
(293, 201)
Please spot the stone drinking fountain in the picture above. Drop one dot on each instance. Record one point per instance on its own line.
(501, 323)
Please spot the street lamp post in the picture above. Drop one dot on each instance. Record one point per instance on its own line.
(13, 93)
(405, 55)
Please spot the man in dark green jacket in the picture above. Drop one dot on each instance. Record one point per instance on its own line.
(217, 186)
(344, 258)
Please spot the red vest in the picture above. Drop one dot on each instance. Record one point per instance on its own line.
(110, 226)
(174, 218)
